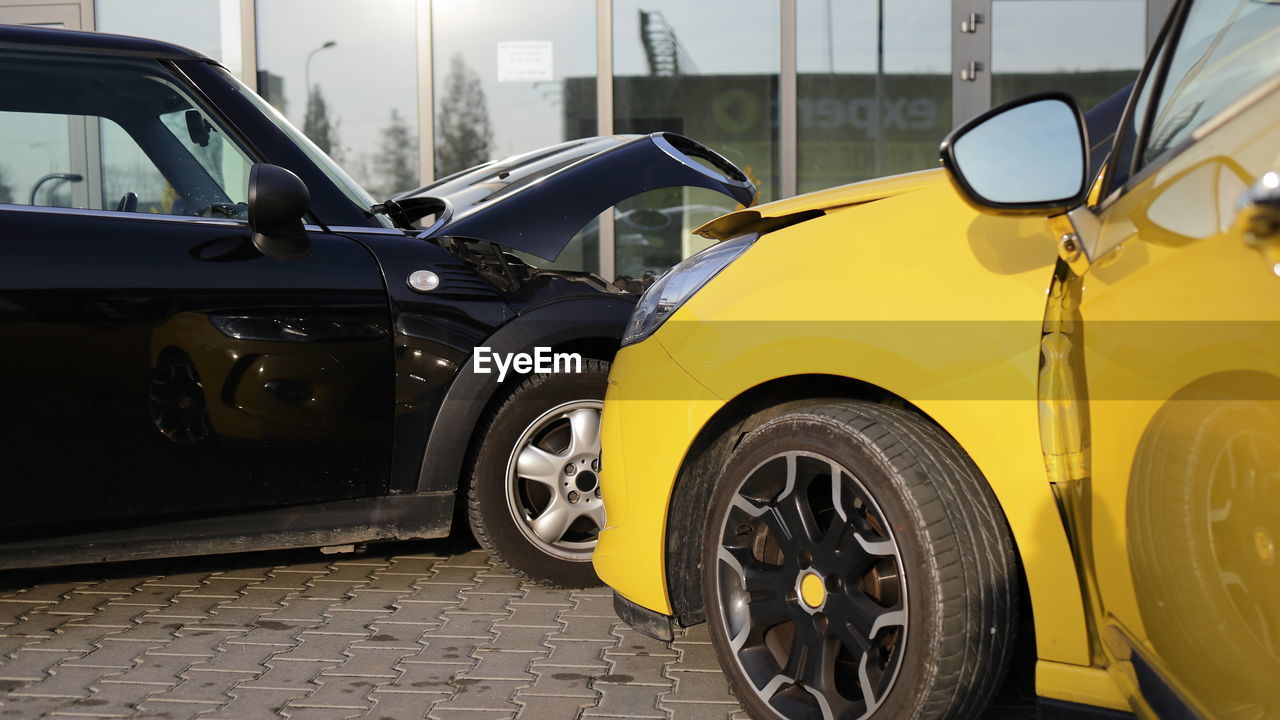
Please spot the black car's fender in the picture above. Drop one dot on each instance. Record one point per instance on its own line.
(590, 325)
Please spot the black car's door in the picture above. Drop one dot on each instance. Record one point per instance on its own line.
(152, 362)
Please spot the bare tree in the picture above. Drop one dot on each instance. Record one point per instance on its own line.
(464, 134)
(317, 125)
(396, 162)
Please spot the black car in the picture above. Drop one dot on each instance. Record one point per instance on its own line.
(214, 340)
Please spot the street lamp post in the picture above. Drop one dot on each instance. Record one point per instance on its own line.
(314, 125)
(307, 66)
(879, 126)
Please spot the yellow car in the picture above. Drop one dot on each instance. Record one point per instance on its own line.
(873, 435)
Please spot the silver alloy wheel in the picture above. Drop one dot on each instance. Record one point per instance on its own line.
(802, 522)
(553, 486)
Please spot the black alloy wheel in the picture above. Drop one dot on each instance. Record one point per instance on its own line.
(855, 565)
(175, 401)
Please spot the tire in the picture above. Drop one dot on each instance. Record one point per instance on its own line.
(897, 601)
(534, 499)
(1201, 521)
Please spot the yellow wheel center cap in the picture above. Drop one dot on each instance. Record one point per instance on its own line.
(812, 591)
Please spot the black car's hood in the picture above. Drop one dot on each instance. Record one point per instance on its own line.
(536, 202)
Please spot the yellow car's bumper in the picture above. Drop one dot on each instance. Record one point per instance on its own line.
(661, 408)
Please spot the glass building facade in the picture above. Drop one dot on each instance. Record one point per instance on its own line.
(802, 94)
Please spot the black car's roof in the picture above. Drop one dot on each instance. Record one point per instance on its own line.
(22, 35)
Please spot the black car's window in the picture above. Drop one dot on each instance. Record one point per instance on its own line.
(126, 168)
(1226, 48)
(111, 134)
(331, 169)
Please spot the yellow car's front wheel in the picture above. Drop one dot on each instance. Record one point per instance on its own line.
(857, 566)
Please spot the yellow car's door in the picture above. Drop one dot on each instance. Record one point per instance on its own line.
(1181, 334)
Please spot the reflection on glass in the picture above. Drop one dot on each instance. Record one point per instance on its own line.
(113, 160)
(34, 147)
(127, 169)
(654, 230)
(345, 182)
(513, 77)
(873, 99)
(1030, 154)
(211, 27)
(1088, 48)
(226, 164)
(708, 70)
(349, 82)
(1226, 49)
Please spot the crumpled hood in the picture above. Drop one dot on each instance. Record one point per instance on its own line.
(536, 202)
(771, 216)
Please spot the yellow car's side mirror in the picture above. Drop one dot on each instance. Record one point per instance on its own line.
(1029, 156)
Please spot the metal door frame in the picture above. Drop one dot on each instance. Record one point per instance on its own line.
(971, 52)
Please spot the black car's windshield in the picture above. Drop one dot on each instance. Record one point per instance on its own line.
(331, 169)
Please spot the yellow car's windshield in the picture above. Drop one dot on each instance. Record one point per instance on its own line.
(1226, 49)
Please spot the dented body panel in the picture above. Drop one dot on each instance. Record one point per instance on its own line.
(536, 202)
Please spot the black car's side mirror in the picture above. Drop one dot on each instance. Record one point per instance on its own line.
(277, 201)
(1027, 156)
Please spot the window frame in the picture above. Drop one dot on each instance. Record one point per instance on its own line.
(1160, 51)
(1164, 50)
(173, 145)
(165, 71)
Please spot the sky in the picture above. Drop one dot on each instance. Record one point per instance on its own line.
(524, 115)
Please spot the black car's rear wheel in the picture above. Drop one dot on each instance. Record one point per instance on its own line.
(855, 565)
(535, 492)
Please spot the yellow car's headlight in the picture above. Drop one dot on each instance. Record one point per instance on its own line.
(678, 284)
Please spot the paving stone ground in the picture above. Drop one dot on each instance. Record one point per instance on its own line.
(423, 630)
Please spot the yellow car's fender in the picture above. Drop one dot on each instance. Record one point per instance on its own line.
(903, 286)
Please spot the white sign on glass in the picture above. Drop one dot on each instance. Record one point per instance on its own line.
(524, 61)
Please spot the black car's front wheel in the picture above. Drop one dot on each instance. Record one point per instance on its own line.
(535, 502)
(855, 565)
